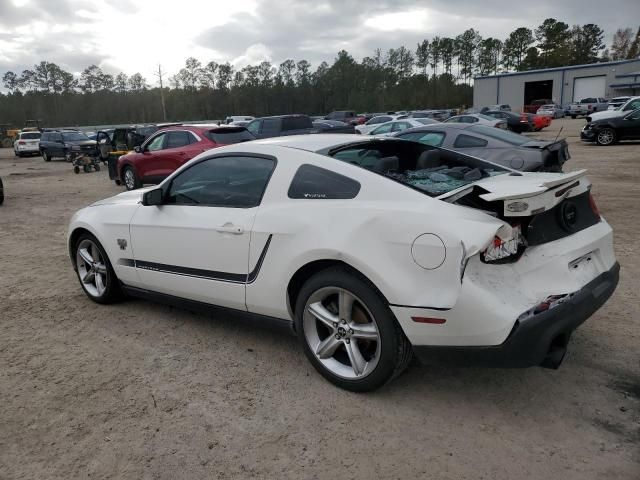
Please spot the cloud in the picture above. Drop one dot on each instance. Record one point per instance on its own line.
(137, 35)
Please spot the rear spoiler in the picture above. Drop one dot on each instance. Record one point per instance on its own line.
(542, 187)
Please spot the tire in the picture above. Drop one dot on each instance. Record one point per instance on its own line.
(606, 136)
(130, 179)
(100, 283)
(46, 156)
(1, 192)
(380, 351)
(573, 116)
(96, 167)
(76, 169)
(86, 168)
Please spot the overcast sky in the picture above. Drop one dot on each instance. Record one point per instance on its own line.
(135, 35)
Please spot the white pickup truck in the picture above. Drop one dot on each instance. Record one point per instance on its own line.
(587, 106)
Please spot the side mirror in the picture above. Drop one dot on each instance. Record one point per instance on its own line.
(152, 197)
(137, 149)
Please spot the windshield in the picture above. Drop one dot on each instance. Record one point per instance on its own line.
(499, 134)
(227, 136)
(74, 137)
(30, 135)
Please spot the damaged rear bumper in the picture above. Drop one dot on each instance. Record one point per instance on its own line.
(539, 339)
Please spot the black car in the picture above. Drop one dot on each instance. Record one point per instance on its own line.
(332, 126)
(280, 126)
(516, 122)
(608, 131)
(65, 144)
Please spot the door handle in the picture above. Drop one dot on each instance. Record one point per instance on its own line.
(230, 228)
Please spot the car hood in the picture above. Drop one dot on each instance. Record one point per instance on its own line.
(606, 114)
(132, 197)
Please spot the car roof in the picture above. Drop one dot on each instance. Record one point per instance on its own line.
(315, 142)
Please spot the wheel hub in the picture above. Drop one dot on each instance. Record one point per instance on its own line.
(344, 337)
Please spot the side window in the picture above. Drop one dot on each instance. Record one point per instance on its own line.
(311, 182)
(386, 128)
(235, 182)
(467, 141)
(156, 143)
(432, 138)
(399, 126)
(57, 137)
(633, 105)
(45, 137)
(270, 126)
(254, 127)
(177, 139)
(379, 120)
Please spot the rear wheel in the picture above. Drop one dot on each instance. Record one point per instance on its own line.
(96, 275)
(606, 136)
(1, 192)
(96, 166)
(573, 116)
(76, 169)
(131, 180)
(348, 332)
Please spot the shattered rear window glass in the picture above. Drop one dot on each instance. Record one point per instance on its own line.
(443, 179)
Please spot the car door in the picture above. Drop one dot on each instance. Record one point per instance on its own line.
(56, 146)
(255, 127)
(629, 126)
(177, 149)
(196, 244)
(156, 163)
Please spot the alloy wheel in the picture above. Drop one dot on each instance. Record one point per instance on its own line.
(92, 268)
(341, 332)
(605, 137)
(129, 179)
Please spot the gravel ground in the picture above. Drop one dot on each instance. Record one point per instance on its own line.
(140, 390)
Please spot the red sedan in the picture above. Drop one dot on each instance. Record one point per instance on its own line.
(169, 148)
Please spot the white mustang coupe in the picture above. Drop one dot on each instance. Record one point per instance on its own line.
(373, 249)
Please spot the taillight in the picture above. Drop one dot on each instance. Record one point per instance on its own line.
(22, 142)
(507, 250)
(594, 207)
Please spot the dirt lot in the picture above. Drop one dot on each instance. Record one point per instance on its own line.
(140, 390)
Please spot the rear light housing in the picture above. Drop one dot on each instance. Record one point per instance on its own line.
(505, 250)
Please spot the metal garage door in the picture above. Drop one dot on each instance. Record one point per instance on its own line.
(584, 87)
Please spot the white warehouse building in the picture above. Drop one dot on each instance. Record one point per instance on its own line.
(563, 85)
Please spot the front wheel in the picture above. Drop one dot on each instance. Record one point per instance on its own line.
(606, 136)
(348, 332)
(45, 156)
(131, 180)
(96, 275)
